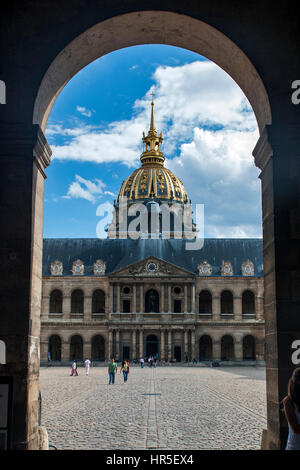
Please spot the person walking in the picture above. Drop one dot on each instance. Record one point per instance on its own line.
(87, 364)
(142, 362)
(112, 369)
(291, 404)
(74, 368)
(125, 370)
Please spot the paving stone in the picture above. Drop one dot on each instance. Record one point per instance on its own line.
(163, 408)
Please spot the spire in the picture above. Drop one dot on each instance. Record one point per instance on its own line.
(152, 144)
(152, 126)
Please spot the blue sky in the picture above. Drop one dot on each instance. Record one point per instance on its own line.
(95, 132)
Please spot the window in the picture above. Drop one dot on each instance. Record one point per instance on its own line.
(126, 306)
(226, 302)
(77, 299)
(152, 301)
(55, 304)
(248, 303)
(98, 301)
(205, 302)
(177, 306)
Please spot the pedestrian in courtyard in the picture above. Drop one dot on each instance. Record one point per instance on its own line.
(291, 404)
(112, 369)
(125, 370)
(87, 364)
(74, 368)
(142, 362)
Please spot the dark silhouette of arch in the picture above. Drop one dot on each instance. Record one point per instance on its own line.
(152, 301)
(227, 348)
(249, 352)
(205, 348)
(248, 302)
(76, 348)
(77, 301)
(226, 302)
(98, 348)
(55, 302)
(205, 302)
(98, 301)
(54, 348)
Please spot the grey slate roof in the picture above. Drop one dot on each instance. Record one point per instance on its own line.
(118, 254)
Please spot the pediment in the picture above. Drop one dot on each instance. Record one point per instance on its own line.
(152, 267)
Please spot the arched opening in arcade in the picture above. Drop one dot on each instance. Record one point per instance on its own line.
(76, 348)
(205, 348)
(246, 76)
(54, 348)
(98, 348)
(152, 345)
(249, 353)
(227, 348)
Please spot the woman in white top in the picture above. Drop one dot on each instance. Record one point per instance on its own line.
(291, 405)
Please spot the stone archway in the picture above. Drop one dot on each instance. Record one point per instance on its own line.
(64, 47)
(54, 348)
(151, 27)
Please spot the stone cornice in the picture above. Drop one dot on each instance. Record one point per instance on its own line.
(262, 151)
(19, 139)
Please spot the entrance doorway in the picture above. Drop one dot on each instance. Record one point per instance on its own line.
(177, 353)
(126, 352)
(151, 345)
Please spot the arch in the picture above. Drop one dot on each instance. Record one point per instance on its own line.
(54, 348)
(152, 301)
(248, 303)
(205, 302)
(226, 302)
(98, 348)
(55, 301)
(249, 348)
(77, 301)
(2, 352)
(205, 348)
(227, 348)
(76, 348)
(98, 301)
(151, 27)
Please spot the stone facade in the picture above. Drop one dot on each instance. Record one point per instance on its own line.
(189, 318)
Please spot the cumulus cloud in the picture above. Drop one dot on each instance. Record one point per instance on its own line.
(87, 189)
(209, 133)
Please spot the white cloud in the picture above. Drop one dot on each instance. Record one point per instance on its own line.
(84, 111)
(209, 133)
(87, 189)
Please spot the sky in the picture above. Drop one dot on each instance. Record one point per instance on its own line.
(95, 133)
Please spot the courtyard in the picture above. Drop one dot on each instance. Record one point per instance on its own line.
(168, 407)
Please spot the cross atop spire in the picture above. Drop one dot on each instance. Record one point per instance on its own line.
(152, 144)
(152, 126)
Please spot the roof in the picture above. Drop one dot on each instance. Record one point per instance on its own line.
(118, 253)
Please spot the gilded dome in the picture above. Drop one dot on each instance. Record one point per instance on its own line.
(152, 181)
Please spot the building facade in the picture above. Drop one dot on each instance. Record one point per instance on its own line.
(131, 297)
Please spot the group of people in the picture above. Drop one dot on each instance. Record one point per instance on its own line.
(113, 368)
(74, 367)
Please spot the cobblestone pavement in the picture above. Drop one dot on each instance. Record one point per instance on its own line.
(163, 408)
